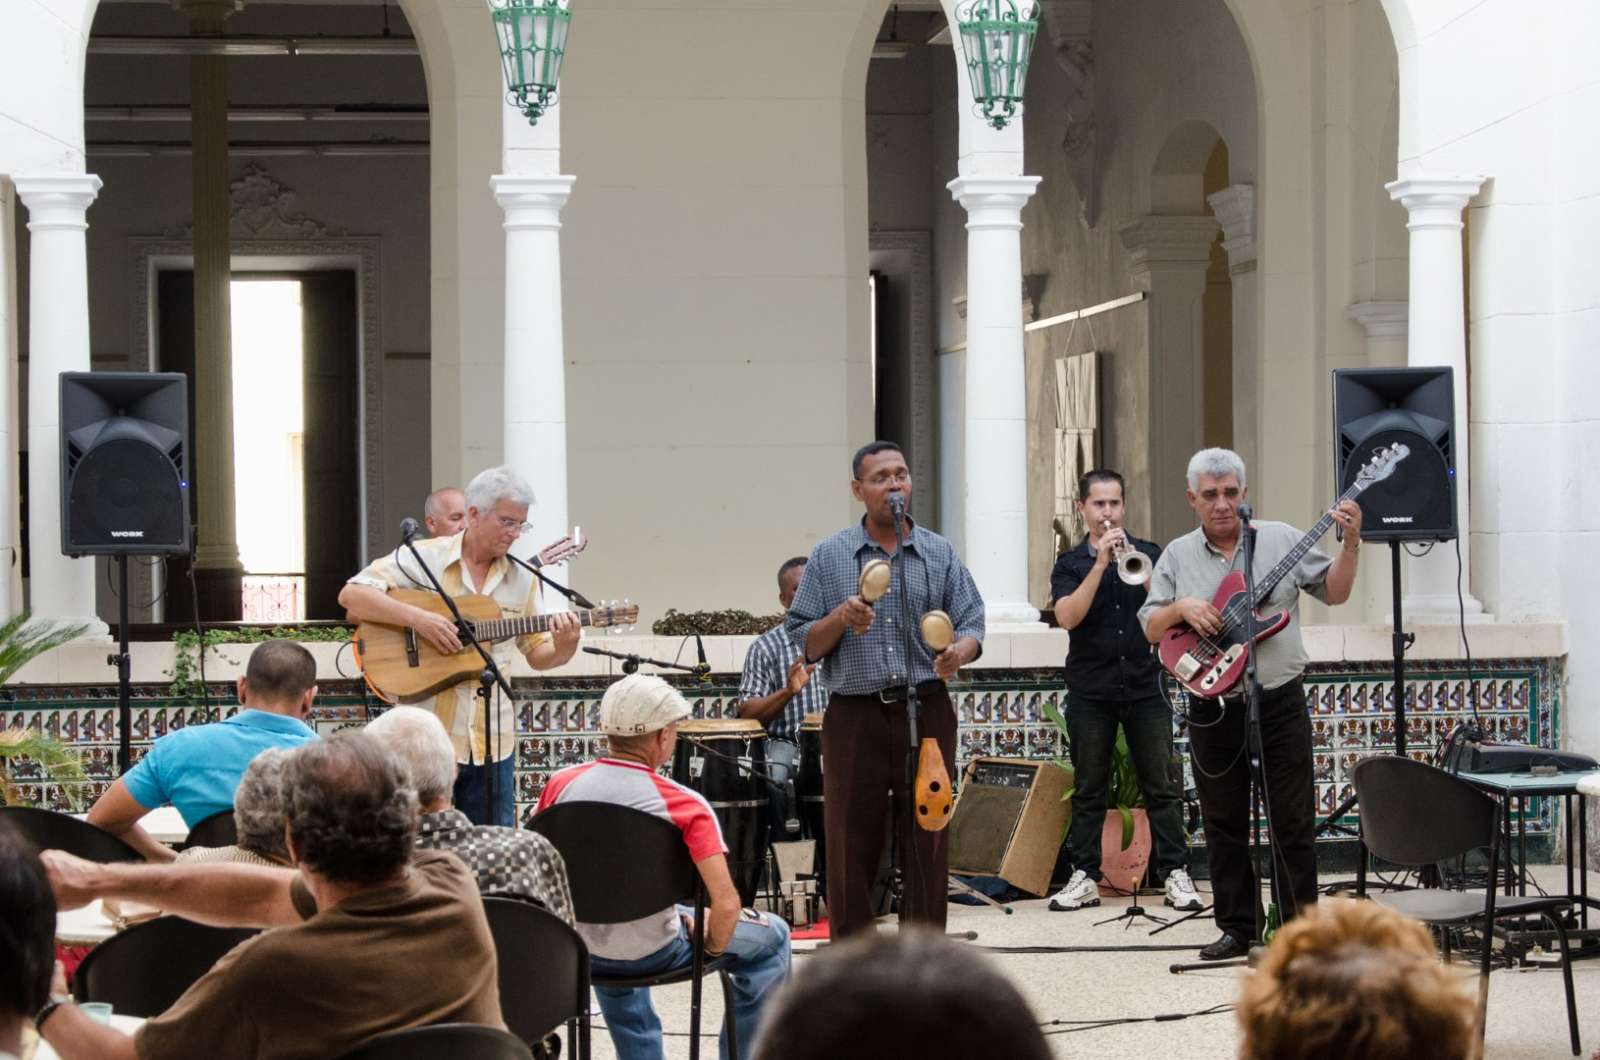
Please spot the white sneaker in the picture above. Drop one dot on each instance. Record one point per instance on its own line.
(1079, 893)
(1181, 893)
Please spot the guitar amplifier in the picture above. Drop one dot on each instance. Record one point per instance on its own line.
(1009, 821)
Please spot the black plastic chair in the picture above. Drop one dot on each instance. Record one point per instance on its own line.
(1415, 815)
(624, 864)
(458, 1041)
(143, 970)
(544, 969)
(49, 830)
(218, 830)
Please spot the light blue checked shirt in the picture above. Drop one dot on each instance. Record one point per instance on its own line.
(766, 669)
(935, 579)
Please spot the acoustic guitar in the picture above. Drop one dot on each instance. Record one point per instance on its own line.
(1213, 666)
(399, 663)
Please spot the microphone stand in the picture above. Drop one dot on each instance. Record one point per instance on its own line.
(571, 594)
(913, 707)
(631, 662)
(487, 679)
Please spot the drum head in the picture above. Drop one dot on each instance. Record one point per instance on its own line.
(811, 722)
(721, 728)
(874, 582)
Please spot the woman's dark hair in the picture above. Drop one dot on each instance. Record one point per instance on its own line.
(350, 807)
(27, 927)
(913, 994)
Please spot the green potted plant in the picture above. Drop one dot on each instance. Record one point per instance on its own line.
(1125, 843)
(20, 641)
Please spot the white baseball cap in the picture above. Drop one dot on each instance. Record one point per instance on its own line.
(639, 704)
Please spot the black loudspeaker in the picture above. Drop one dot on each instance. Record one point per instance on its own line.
(124, 464)
(1374, 407)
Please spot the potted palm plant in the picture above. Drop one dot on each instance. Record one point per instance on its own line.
(20, 641)
(1125, 843)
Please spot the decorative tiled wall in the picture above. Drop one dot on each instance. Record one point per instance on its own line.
(1001, 713)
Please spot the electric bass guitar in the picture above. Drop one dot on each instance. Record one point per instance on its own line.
(1212, 666)
(398, 662)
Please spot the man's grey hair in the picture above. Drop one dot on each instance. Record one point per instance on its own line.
(1218, 463)
(258, 805)
(417, 738)
(432, 506)
(497, 484)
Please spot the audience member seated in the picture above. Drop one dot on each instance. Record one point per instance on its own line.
(912, 994)
(198, 767)
(27, 940)
(505, 860)
(257, 816)
(370, 938)
(1353, 980)
(639, 715)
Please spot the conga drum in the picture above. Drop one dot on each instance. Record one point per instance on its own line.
(808, 790)
(725, 759)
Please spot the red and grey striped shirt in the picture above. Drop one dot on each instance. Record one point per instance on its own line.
(637, 786)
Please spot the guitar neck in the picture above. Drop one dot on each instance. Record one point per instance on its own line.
(503, 628)
(1265, 585)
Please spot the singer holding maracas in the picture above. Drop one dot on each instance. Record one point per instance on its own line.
(862, 648)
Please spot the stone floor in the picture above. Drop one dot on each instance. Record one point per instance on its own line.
(1527, 1016)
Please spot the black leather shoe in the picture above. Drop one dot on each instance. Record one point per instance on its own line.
(1225, 948)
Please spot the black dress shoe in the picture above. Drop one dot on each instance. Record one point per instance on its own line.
(1225, 948)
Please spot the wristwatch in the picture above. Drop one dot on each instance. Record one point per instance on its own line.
(55, 1002)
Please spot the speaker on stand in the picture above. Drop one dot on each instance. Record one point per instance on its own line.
(124, 485)
(1374, 408)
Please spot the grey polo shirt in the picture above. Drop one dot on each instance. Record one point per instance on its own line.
(1190, 566)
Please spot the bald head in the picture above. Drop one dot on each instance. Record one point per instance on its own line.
(444, 513)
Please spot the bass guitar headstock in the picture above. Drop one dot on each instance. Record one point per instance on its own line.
(1382, 465)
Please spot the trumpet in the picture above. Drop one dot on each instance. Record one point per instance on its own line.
(1133, 566)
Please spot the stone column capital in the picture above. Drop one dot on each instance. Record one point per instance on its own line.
(531, 201)
(1235, 207)
(1382, 320)
(993, 202)
(57, 200)
(1434, 202)
(1159, 239)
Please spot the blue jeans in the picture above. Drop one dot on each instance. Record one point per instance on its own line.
(469, 791)
(1092, 732)
(761, 950)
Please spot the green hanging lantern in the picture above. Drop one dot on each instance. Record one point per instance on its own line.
(533, 40)
(997, 38)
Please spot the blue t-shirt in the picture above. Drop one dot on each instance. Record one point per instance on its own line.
(197, 769)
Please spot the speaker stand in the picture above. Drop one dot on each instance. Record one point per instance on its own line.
(124, 664)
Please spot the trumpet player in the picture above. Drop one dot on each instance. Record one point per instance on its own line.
(1113, 679)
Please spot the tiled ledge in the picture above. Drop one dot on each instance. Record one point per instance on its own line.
(1043, 649)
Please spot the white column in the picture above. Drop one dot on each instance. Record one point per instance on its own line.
(1386, 325)
(59, 588)
(996, 524)
(1438, 337)
(1168, 256)
(1235, 208)
(9, 577)
(535, 392)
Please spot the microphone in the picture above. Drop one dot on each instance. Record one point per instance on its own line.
(409, 528)
(791, 823)
(702, 669)
(897, 502)
(1246, 514)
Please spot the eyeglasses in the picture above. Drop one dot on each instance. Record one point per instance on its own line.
(889, 478)
(509, 524)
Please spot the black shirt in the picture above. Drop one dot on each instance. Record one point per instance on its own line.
(1108, 656)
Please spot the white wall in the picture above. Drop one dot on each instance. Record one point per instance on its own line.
(714, 276)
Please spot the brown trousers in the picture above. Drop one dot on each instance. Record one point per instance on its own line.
(864, 749)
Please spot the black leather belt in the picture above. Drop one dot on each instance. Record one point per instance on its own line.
(898, 692)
